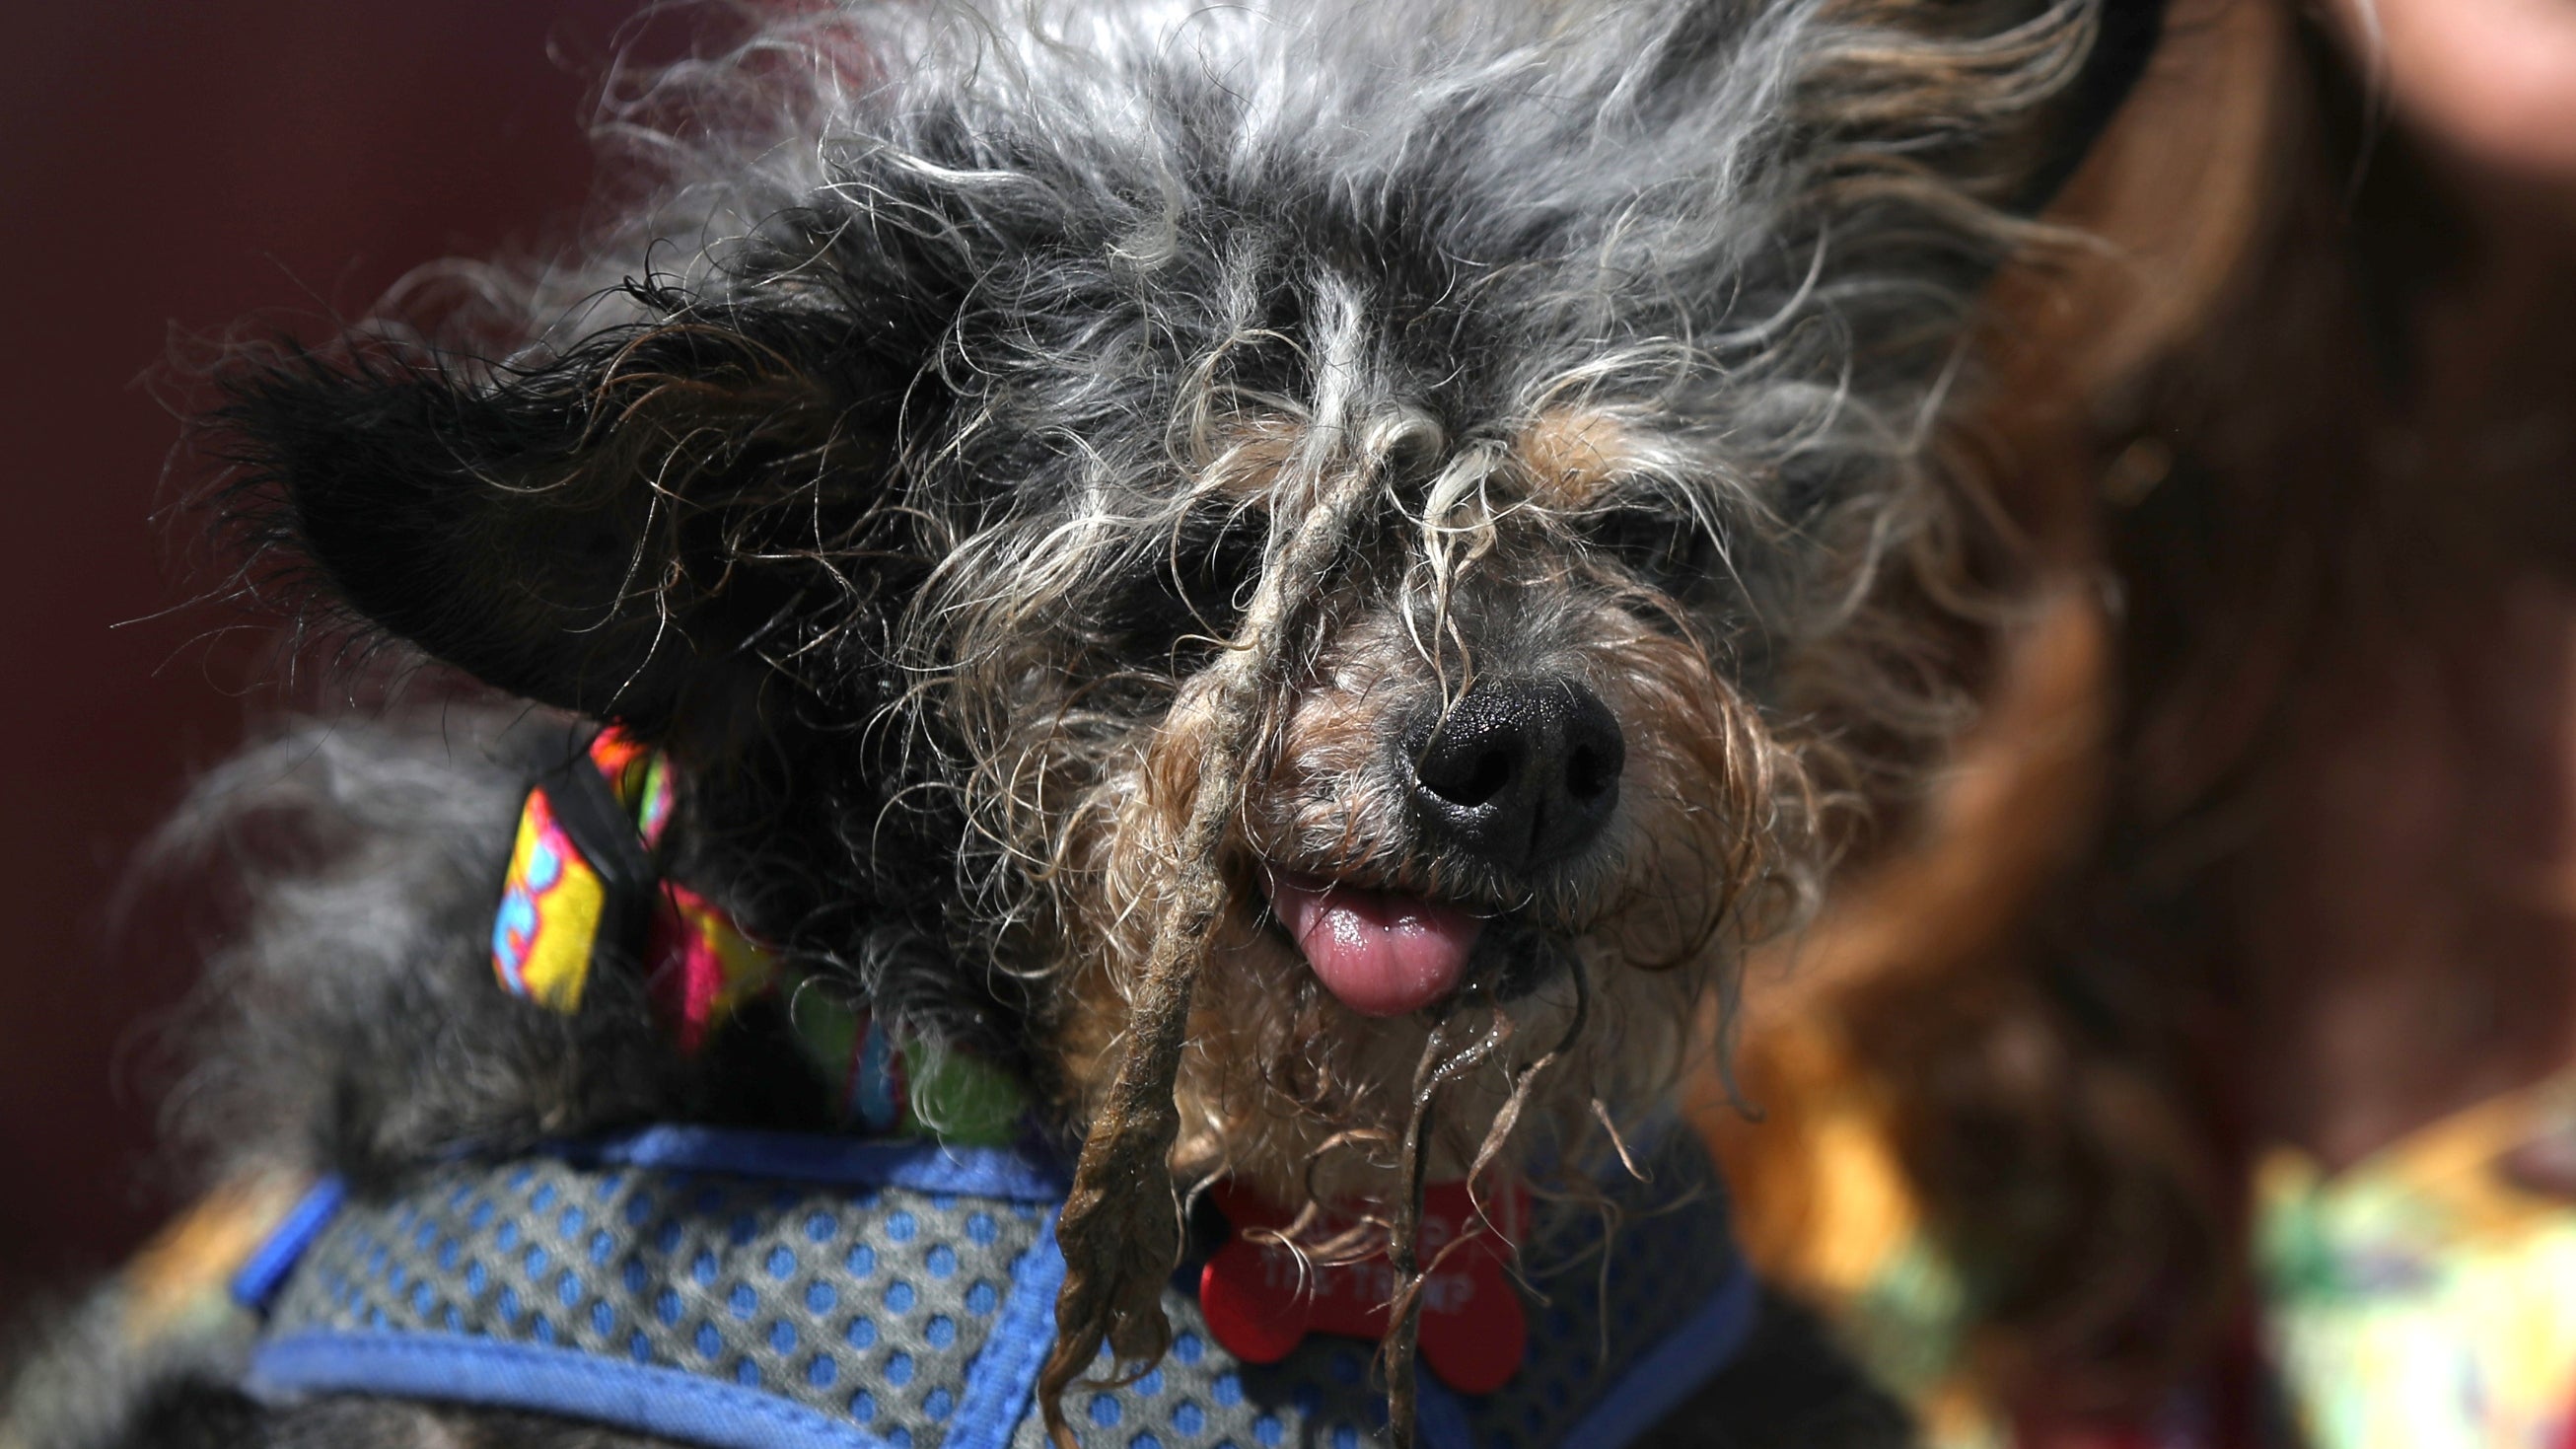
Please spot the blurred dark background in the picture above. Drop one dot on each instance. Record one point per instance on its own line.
(172, 170)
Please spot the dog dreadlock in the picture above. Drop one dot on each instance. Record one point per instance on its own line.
(1118, 1248)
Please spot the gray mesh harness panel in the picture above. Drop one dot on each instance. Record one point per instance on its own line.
(877, 1312)
(866, 1304)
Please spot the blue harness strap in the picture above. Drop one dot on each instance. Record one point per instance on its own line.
(746, 1290)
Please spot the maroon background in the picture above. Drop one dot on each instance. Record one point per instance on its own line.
(182, 167)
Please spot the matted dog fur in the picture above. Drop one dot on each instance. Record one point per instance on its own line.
(1062, 484)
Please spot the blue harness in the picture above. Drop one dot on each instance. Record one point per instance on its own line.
(751, 1290)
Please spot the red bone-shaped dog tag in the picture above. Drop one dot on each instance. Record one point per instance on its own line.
(1260, 1302)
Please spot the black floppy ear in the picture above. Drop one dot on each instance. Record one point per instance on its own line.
(615, 529)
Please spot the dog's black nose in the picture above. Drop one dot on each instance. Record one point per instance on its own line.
(1521, 772)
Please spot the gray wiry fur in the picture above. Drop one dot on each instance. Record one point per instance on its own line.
(1415, 222)
(943, 408)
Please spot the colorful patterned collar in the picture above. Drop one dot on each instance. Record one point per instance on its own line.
(587, 892)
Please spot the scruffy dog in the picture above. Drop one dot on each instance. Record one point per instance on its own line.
(1267, 590)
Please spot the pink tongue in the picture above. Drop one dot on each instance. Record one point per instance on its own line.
(1383, 954)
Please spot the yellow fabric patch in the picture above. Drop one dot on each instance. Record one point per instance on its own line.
(550, 909)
